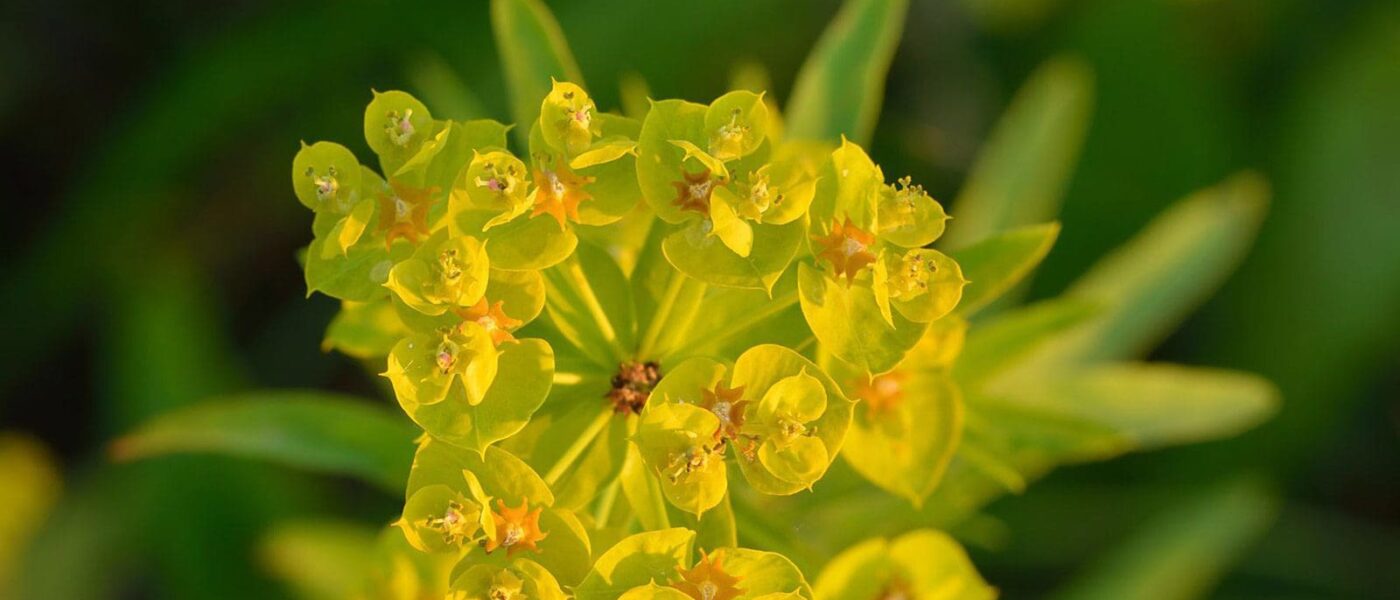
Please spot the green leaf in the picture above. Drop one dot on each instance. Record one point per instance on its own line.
(1184, 551)
(588, 301)
(321, 560)
(1024, 168)
(996, 264)
(848, 323)
(643, 492)
(533, 52)
(1011, 336)
(443, 87)
(1159, 405)
(318, 431)
(1148, 285)
(364, 329)
(636, 561)
(716, 529)
(566, 551)
(596, 469)
(841, 85)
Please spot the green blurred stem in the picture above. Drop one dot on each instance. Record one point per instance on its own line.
(663, 314)
(575, 274)
(606, 501)
(570, 456)
(777, 305)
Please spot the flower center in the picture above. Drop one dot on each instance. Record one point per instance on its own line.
(446, 356)
(632, 385)
(400, 128)
(514, 533)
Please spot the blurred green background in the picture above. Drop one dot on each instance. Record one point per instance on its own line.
(150, 237)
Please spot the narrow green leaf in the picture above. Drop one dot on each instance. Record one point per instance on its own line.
(312, 430)
(1024, 168)
(1149, 284)
(533, 50)
(1183, 552)
(716, 529)
(1158, 405)
(840, 87)
(319, 559)
(442, 88)
(643, 492)
(587, 300)
(996, 264)
(1014, 334)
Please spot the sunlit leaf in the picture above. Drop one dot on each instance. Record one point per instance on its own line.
(312, 430)
(841, 85)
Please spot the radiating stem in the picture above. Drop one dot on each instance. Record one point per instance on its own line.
(713, 339)
(590, 300)
(606, 501)
(576, 450)
(662, 314)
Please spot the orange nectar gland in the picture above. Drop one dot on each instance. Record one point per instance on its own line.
(708, 581)
(404, 213)
(558, 192)
(882, 393)
(491, 317)
(847, 248)
(728, 405)
(693, 193)
(516, 528)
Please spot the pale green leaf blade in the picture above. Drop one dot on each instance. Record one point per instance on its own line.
(1148, 285)
(311, 430)
(1024, 168)
(842, 83)
(996, 264)
(1184, 551)
(1159, 404)
(1014, 334)
(321, 560)
(643, 492)
(533, 50)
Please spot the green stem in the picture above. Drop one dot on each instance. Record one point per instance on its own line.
(662, 314)
(574, 451)
(606, 502)
(779, 304)
(590, 300)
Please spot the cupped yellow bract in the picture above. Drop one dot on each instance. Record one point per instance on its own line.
(783, 418)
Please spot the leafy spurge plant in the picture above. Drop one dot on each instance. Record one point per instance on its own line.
(636, 345)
